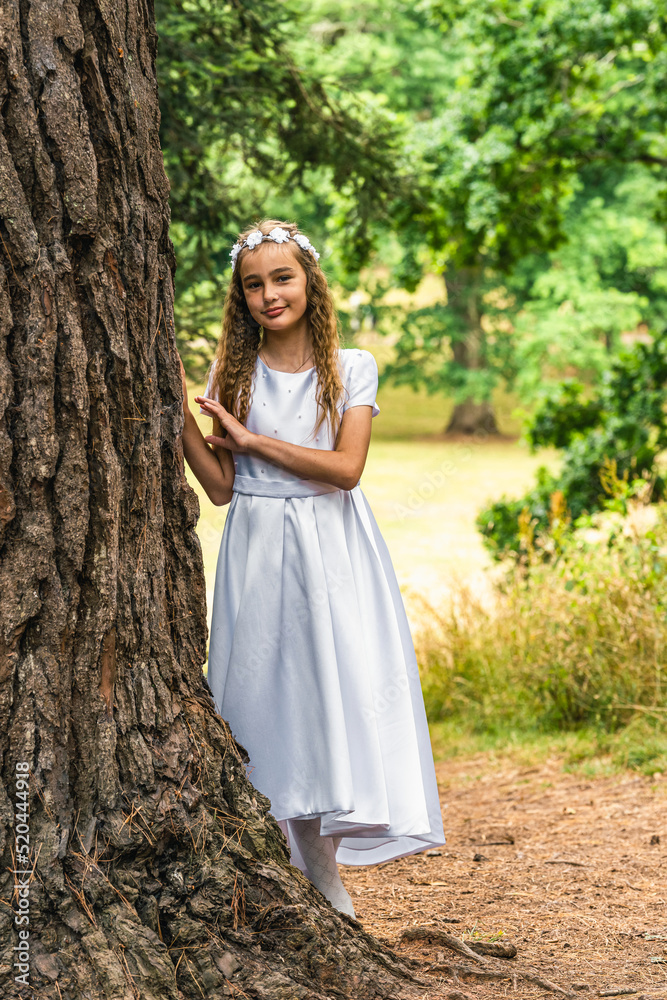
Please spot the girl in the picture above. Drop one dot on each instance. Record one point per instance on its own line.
(311, 660)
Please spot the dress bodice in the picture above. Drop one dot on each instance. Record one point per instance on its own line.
(284, 405)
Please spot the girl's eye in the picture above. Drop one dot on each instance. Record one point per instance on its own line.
(257, 284)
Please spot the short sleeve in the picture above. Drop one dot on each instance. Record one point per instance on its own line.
(209, 389)
(362, 382)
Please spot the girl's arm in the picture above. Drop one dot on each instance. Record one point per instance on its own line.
(342, 466)
(213, 467)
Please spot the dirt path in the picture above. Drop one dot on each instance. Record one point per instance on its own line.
(572, 871)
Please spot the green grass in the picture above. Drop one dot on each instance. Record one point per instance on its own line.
(641, 746)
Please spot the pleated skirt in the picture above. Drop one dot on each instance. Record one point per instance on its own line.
(312, 664)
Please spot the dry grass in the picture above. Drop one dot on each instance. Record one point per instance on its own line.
(578, 642)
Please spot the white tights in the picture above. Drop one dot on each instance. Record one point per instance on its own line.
(319, 854)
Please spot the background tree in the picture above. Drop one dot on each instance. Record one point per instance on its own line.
(543, 89)
(609, 279)
(155, 868)
(549, 185)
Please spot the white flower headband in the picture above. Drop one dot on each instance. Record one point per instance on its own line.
(278, 235)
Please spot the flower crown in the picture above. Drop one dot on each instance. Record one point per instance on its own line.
(278, 235)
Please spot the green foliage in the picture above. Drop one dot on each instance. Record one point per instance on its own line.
(563, 415)
(244, 127)
(516, 147)
(563, 311)
(500, 522)
(623, 426)
(543, 91)
(388, 49)
(573, 305)
(568, 643)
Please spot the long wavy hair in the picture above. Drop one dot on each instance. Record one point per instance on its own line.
(242, 337)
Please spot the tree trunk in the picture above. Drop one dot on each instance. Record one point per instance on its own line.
(472, 418)
(153, 869)
(468, 417)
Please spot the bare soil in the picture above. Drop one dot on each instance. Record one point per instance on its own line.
(573, 871)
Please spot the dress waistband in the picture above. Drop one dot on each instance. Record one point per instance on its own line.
(297, 488)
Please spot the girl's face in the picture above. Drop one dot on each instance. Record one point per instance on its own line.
(274, 284)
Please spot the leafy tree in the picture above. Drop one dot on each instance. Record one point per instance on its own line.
(390, 54)
(505, 124)
(385, 50)
(574, 304)
(543, 89)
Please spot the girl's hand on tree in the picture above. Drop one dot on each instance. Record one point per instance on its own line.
(186, 408)
(237, 438)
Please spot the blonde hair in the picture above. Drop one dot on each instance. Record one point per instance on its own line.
(241, 337)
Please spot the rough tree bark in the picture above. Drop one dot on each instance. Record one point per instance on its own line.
(155, 869)
(468, 417)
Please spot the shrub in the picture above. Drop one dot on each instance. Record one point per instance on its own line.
(624, 423)
(573, 641)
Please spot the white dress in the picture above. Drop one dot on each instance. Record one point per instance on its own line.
(311, 661)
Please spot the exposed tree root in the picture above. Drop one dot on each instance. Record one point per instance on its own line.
(494, 949)
(440, 937)
(514, 975)
(489, 973)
